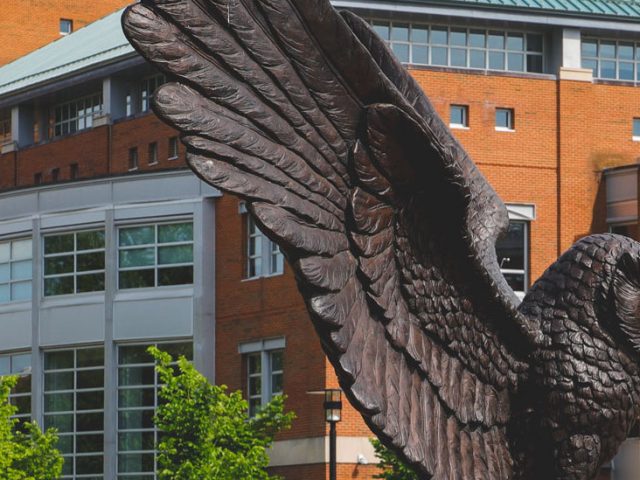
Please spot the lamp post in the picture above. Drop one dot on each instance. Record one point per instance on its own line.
(332, 415)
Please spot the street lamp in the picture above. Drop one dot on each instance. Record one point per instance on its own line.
(332, 415)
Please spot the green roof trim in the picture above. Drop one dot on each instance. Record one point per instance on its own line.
(615, 8)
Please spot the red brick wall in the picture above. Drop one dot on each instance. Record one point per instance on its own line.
(520, 165)
(321, 472)
(26, 25)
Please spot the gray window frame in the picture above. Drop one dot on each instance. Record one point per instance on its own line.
(156, 245)
(429, 44)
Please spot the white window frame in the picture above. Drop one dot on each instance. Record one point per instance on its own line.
(156, 245)
(510, 127)
(525, 213)
(75, 434)
(270, 257)
(148, 86)
(66, 22)
(635, 122)
(465, 116)
(75, 252)
(10, 262)
(263, 350)
(173, 148)
(77, 114)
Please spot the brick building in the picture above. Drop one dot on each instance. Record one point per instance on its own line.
(104, 234)
(30, 24)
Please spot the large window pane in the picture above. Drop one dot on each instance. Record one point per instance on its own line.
(400, 32)
(58, 243)
(165, 244)
(458, 57)
(15, 270)
(79, 408)
(64, 263)
(136, 236)
(175, 254)
(177, 232)
(136, 279)
(402, 51)
(137, 399)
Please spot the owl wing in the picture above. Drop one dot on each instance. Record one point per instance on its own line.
(388, 225)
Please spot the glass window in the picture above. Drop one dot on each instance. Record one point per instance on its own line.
(504, 119)
(66, 26)
(15, 270)
(425, 44)
(459, 116)
(76, 115)
(264, 377)
(74, 262)
(173, 148)
(155, 255)
(147, 88)
(137, 401)
(133, 158)
(513, 253)
(263, 256)
(5, 126)
(153, 153)
(74, 404)
(636, 127)
(19, 364)
(611, 59)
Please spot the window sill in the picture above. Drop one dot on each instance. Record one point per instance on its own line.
(258, 277)
(173, 158)
(143, 293)
(15, 306)
(85, 298)
(457, 126)
(505, 129)
(635, 138)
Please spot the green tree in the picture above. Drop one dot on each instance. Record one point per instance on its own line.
(392, 467)
(206, 433)
(25, 452)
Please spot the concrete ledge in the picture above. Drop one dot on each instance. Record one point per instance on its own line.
(314, 450)
(576, 74)
(9, 147)
(101, 120)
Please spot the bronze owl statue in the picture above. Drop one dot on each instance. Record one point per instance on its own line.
(391, 229)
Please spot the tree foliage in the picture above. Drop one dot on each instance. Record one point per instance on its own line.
(392, 467)
(25, 453)
(207, 433)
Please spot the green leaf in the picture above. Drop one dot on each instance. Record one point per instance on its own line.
(206, 432)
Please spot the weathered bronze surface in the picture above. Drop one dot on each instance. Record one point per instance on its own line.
(391, 230)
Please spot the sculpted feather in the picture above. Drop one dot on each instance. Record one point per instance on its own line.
(306, 114)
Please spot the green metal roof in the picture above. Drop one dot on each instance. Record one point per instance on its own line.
(617, 8)
(97, 43)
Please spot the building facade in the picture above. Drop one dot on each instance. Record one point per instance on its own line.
(27, 25)
(108, 244)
